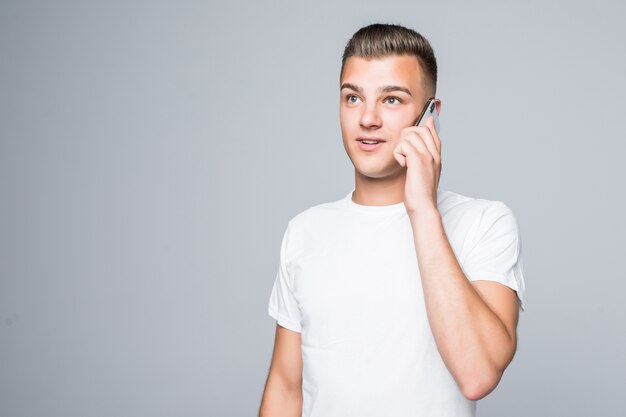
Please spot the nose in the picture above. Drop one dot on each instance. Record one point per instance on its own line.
(370, 118)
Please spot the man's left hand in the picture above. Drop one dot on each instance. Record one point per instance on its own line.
(419, 151)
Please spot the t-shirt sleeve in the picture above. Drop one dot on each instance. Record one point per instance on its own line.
(495, 250)
(282, 305)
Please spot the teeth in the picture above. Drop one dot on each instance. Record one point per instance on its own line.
(370, 142)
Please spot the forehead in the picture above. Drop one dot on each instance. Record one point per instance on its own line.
(372, 72)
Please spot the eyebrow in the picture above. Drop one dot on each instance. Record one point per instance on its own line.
(383, 89)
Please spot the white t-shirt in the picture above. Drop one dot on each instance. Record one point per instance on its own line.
(349, 281)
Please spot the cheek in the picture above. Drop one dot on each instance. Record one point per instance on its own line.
(397, 119)
(396, 124)
(349, 121)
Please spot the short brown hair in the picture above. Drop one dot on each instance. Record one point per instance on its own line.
(379, 40)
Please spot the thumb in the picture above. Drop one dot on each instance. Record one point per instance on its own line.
(397, 153)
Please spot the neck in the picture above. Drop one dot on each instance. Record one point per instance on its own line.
(370, 191)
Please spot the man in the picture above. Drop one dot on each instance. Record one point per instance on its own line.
(401, 298)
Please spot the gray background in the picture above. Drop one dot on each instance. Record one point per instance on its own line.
(152, 153)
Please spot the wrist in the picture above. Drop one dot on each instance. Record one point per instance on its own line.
(424, 213)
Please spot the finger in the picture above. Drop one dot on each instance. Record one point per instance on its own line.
(425, 143)
(399, 155)
(429, 140)
(431, 125)
(402, 151)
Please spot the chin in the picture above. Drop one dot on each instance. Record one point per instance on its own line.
(378, 172)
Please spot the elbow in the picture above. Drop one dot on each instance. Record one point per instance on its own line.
(478, 386)
(479, 381)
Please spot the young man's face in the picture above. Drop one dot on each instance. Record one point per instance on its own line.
(379, 98)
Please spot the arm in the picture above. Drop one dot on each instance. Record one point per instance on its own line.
(282, 396)
(473, 323)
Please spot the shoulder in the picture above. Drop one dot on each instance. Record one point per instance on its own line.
(456, 207)
(313, 226)
(318, 216)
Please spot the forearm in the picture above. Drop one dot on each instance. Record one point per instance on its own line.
(280, 402)
(473, 342)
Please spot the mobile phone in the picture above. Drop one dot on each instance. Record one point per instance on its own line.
(430, 109)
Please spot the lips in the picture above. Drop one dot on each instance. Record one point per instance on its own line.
(370, 140)
(370, 144)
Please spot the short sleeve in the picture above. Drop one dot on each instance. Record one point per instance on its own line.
(282, 305)
(495, 250)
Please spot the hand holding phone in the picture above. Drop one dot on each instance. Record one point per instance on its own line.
(422, 179)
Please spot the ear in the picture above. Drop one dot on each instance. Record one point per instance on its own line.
(438, 106)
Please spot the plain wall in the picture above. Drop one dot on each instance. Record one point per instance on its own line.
(152, 152)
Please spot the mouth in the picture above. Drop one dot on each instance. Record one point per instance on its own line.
(370, 144)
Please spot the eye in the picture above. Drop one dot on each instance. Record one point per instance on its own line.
(394, 100)
(349, 97)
